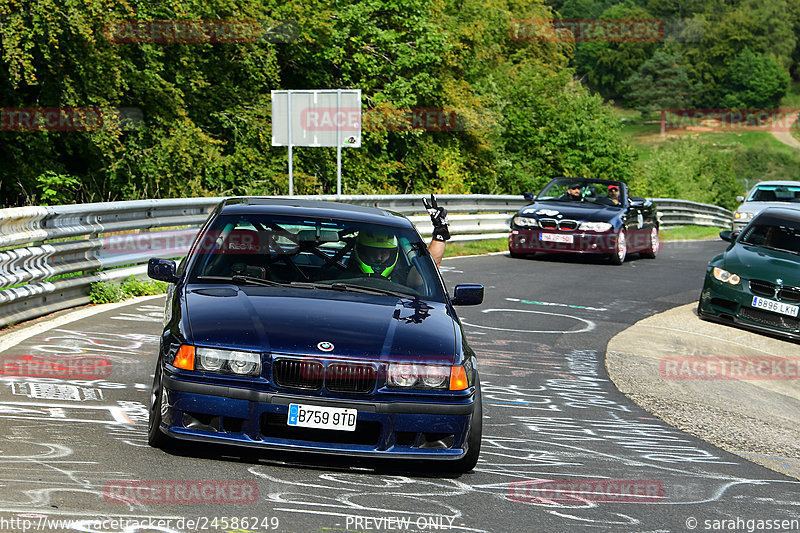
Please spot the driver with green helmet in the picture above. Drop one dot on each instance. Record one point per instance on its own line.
(376, 253)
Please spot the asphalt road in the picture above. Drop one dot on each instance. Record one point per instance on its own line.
(69, 448)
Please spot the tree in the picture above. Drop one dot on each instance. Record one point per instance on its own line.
(754, 81)
(605, 65)
(661, 83)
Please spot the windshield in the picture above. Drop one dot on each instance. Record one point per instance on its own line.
(775, 193)
(601, 192)
(773, 233)
(314, 253)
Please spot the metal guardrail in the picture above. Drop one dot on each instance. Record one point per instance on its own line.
(49, 256)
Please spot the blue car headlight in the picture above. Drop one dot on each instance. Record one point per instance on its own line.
(410, 375)
(228, 361)
(725, 276)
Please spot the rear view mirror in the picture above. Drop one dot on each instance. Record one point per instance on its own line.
(728, 235)
(740, 199)
(322, 236)
(467, 294)
(529, 196)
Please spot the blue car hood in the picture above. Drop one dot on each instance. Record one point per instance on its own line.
(754, 262)
(573, 211)
(295, 321)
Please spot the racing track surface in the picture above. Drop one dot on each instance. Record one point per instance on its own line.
(550, 413)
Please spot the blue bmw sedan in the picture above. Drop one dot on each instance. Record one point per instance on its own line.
(315, 326)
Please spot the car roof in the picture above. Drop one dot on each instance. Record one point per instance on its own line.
(777, 182)
(788, 213)
(310, 208)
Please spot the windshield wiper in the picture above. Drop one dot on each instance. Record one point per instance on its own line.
(370, 290)
(242, 279)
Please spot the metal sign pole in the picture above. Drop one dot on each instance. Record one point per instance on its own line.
(338, 144)
(291, 170)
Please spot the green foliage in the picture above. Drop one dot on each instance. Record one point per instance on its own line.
(206, 119)
(688, 170)
(662, 82)
(104, 293)
(556, 128)
(132, 287)
(754, 81)
(56, 188)
(605, 65)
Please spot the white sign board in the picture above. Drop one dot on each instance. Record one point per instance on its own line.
(317, 118)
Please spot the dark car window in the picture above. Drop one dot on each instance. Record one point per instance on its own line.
(775, 193)
(315, 251)
(773, 233)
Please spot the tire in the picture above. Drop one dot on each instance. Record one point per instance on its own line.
(655, 245)
(618, 257)
(155, 437)
(468, 462)
(517, 255)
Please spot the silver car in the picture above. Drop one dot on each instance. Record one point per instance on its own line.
(765, 194)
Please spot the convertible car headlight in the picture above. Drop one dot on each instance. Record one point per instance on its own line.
(409, 375)
(526, 222)
(742, 215)
(725, 276)
(228, 361)
(595, 226)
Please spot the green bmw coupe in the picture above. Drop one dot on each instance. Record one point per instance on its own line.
(755, 282)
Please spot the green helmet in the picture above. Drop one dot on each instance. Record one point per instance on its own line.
(376, 252)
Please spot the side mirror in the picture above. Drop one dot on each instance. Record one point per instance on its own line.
(467, 294)
(728, 235)
(162, 270)
(529, 196)
(740, 199)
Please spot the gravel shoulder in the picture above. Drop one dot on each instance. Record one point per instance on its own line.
(653, 363)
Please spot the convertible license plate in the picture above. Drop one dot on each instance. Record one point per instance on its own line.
(775, 307)
(316, 416)
(555, 237)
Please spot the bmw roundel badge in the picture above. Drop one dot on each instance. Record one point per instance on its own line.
(325, 346)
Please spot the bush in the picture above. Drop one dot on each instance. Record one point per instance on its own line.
(132, 287)
(103, 293)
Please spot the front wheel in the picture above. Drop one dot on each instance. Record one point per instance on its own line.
(621, 251)
(655, 245)
(155, 437)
